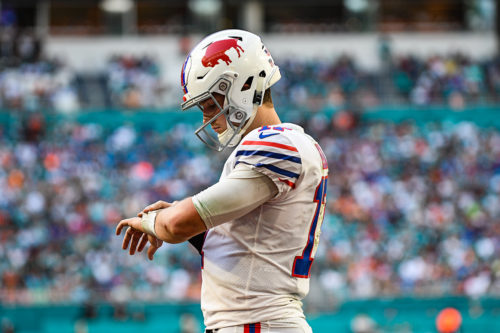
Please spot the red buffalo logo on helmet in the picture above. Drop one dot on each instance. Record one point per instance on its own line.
(217, 51)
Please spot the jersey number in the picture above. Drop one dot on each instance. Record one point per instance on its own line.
(302, 264)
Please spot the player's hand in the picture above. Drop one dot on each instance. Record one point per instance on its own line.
(136, 238)
(133, 234)
(155, 244)
(157, 205)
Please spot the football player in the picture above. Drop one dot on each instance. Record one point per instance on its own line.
(258, 228)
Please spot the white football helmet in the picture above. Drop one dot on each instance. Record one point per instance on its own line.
(223, 63)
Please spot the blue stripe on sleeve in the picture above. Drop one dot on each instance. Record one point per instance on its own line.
(273, 169)
(269, 154)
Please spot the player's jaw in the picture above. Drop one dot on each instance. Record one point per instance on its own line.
(210, 110)
(219, 125)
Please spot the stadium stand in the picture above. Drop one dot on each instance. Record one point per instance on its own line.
(136, 82)
(408, 207)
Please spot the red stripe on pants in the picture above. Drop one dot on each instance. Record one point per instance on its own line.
(251, 328)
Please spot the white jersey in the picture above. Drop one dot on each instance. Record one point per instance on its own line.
(256, 268)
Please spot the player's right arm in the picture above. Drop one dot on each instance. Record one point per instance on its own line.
(234, 196)
(242, 191)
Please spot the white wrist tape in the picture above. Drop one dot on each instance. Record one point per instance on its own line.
(148, 222)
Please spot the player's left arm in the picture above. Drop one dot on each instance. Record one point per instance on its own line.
(174, 224)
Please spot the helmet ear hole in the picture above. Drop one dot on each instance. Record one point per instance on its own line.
(247, 84)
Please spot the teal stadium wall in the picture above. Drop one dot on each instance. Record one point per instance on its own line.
(391, 315)
(484, 116)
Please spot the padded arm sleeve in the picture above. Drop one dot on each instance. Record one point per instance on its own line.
(241, 192)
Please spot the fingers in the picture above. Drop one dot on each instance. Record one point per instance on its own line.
(157, 205)
(138, 241)
(129, 236)
(136, 236)
(155, 245)
(142, 244)
(151, 251)
(155, 241)
(120, 226)
(160, 204)
(126, 239)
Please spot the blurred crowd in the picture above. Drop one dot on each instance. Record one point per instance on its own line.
(134, 82)
(41, 85)
(30, 82)
(412, 210)
(454, 80)
(63, 190)
(325, 85)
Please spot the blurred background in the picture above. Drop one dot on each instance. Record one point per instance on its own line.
(403, 96)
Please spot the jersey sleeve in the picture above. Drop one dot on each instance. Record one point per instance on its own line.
(273, 154)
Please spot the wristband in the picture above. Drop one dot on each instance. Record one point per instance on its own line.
(148, 222)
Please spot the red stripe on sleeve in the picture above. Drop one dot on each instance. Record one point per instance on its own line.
(246, 328)
(271, 144)
(286, 181)
(257, 327)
